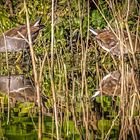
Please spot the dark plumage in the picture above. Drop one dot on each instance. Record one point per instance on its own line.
(12, 40)
(20, 89)
(110, 43)
(110, 85)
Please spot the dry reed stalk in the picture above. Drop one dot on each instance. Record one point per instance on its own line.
(7, 65)
(73, 98)
(128, 104)
(83, 67)
(37, 84)
(51, 71)
(67, 99)
(85, 79)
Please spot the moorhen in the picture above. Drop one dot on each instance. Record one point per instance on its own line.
(20, 89)
(14, 42)
(108, 41)
(110, 85)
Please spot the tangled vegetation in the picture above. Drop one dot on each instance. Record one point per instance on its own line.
(70, 64)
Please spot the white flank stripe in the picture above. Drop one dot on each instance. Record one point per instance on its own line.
(107, 76)
(106, 49)
(95, 33)
(20, 89)
(95, 95)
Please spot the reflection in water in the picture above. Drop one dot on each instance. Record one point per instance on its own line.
(111, 124)
(103, 121)
(24, 129)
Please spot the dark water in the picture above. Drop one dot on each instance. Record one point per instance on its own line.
(18, 131)
(103, 123)
(23, 128)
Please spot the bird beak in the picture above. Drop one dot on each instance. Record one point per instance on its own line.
(93, 31)
(95, 95)
(37, 23)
